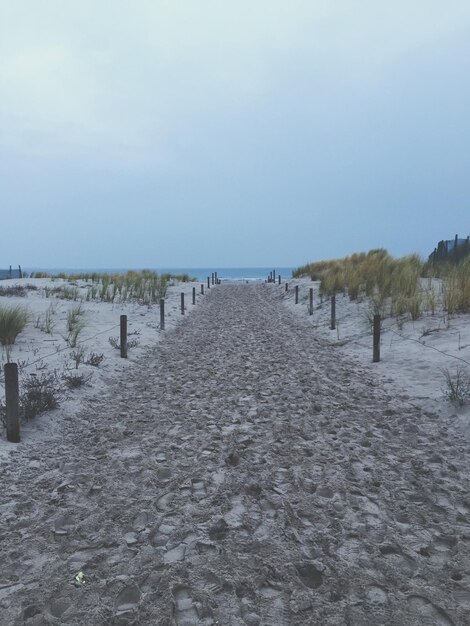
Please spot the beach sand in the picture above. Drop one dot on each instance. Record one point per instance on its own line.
(253, 467)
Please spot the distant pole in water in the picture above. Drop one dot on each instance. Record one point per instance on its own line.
(194, 295)
(123, 328)
(310, 304)
(12, 401)
(162, 314)
(376, 340)
(182, 303)
(333, 313)
(297, 294)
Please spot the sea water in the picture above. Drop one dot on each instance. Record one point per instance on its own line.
(199, 273)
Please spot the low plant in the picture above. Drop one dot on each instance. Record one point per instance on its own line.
(12, 322)
(75, 325)
(131, 343)
(75, 381)
(78, 355)
(457, 385)
(17, 290)
(94, 359)
(39, 394)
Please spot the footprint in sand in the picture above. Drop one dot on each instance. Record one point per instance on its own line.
(127, 600)
(428, 612)
(184, 611)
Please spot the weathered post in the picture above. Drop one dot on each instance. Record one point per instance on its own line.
(12, 400)
(216, 278)
(123, 337)
(279, 278)
(287, 286)
(182, 303)
(194, 295)
(202, 290)
(162, 314)
(376, 341)
(208, 282)
(297, 294)
(213, 278)
(333, 312)
(274, 276)
(310, 304)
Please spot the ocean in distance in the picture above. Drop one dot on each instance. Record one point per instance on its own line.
(200, 273)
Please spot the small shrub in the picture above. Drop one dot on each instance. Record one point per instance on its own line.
(457, 387)
(78, 356)
(17, 290)
(94, 359)
(39, 394)
(131, 343)
(75, 381)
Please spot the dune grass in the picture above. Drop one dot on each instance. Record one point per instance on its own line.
(12, 322)
(392, 284)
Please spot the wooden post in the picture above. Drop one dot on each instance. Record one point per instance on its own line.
(202, 290)
(162, 314)
(333, 312)
(182, 303)
(376, 341)
(297, 294)
(279, 278)
(216, 279)
(310, 306)
(287, 286)
(194, 295)
(208, 282)
(123, 336)
(274, 276)
(12, 399)
(213, 278)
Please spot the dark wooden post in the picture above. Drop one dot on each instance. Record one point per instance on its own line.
(333, 313)
(208, 282)
(162, 314)
(310, 304)
(213, 278)
(297, 294)
(20, 270)
(202, 290)
(194, 295)
(182, 303)
(123, 336)
(274, 276)
(216, 278)
(376, 343)
(12, 400)
(287, 286)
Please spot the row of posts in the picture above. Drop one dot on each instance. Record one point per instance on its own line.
(12, 397)
(376, 322)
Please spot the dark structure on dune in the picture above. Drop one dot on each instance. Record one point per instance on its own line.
(451, 250)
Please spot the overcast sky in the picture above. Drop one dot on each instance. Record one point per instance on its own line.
(145, 133)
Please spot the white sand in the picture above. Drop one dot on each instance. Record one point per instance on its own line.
(244, 472)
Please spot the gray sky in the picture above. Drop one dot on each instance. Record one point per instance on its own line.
(144, 133)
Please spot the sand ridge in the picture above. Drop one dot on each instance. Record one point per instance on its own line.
(242, 474)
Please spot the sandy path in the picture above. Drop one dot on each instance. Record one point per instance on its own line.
(242, 475)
